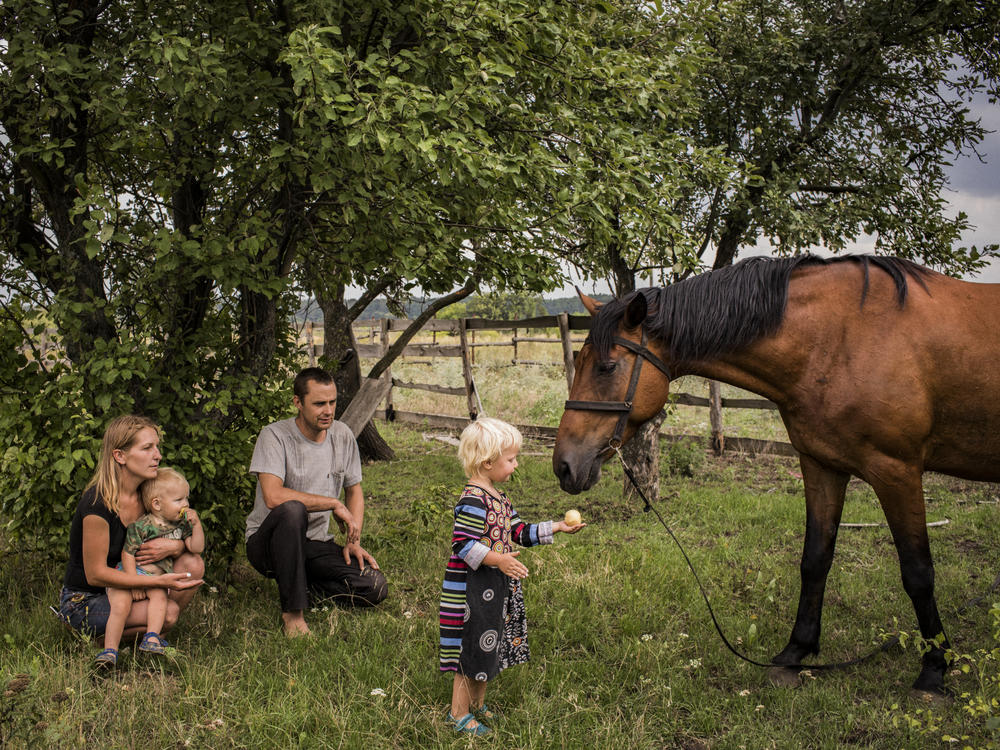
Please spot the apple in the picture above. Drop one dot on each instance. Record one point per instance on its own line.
(572, 518)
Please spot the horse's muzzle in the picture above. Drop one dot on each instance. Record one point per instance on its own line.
(575, 474)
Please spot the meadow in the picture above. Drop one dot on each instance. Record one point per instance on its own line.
(624, 654)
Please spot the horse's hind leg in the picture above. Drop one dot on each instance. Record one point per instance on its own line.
(900, 491)
(825, 490)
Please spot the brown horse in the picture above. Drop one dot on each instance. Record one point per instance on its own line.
(880, 368)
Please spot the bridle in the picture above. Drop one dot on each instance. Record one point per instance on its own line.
(623, 407)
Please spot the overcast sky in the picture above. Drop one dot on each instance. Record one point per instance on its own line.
(976, 187)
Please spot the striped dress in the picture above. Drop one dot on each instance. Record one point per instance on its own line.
(482, 619)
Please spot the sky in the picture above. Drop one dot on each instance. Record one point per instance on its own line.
(976, 187)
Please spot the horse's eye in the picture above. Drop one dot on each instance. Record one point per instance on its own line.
(607, 367)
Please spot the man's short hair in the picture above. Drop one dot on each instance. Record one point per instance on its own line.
(485, 440)
(310, 375)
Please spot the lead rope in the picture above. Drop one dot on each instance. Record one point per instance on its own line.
(704, 595)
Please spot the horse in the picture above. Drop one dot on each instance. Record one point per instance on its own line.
(880, 368)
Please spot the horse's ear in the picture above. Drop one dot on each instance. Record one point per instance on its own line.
(635, 311)
(589, 303)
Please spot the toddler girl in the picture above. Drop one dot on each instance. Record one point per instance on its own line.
(482, 619)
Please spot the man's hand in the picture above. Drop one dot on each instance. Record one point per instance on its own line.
(138, 595)
(355, 550)
(347, 524)
(156, 549)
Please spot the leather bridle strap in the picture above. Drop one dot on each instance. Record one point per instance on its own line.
(623, 407)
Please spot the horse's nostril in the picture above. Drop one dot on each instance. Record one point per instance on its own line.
(561, 468)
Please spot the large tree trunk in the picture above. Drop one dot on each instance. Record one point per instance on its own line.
(340, 357)
(642, 454)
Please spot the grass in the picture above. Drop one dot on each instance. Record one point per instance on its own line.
(623, 652)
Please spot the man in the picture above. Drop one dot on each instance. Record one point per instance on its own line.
(301, 466)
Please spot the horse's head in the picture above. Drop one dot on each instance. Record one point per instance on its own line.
(612, 394)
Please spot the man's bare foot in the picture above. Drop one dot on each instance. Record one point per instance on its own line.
(295, 624)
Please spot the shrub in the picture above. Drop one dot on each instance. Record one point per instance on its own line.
(683, 458)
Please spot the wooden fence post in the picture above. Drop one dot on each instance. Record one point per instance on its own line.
(310, 344)
(715, 416)
(470, 386)
(390, 413)
(513, 340)
(567, 347)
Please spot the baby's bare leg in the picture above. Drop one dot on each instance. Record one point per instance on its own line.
(156, 610)
(121, 602)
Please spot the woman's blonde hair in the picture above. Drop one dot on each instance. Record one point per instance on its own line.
(119, 435)
(166, 476)
(483, 441)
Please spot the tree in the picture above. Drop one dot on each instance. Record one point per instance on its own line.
(457, 139)
(506, 306)
(844, 117)
(172, 177)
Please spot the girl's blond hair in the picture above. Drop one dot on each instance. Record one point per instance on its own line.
(483, 441)
(119, 435)
(166, 476)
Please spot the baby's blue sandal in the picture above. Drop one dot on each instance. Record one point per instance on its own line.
(462, 725)
(106, 660)
(153, 644)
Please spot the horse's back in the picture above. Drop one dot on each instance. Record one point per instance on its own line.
(919, 380)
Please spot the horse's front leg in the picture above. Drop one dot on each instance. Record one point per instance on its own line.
(825, 490)
(899, 488)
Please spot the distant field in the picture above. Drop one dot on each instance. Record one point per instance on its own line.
(534, 393)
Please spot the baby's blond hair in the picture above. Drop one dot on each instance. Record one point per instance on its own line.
(483, 441)
(154, 488)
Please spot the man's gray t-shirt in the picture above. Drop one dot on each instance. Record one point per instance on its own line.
(322, 468)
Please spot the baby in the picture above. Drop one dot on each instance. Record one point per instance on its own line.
(167, 516)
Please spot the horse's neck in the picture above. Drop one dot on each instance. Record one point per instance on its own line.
(760, 369)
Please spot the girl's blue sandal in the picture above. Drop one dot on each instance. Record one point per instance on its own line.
(106, 660)
(484, 713)
(462, 725)
(152, 643)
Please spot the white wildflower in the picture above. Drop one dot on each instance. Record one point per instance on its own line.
(378, 692)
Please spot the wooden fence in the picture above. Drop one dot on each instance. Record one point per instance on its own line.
(373, 338)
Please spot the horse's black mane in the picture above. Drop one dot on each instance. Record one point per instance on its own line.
(727, 309)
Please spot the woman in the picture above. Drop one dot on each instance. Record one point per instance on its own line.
(130, 455)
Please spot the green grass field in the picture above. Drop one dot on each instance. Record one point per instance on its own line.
(623, 651)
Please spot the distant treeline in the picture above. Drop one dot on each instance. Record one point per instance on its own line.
(378, 309)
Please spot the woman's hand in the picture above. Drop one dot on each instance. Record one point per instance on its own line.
(138, 595)
(509, 565)
(565, 527)
(155, 550)
(177, 581)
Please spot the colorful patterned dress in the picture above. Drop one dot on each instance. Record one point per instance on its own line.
(482, 620)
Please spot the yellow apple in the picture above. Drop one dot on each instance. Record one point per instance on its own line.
(572, 518)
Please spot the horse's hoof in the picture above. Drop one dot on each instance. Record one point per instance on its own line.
(784, 677)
